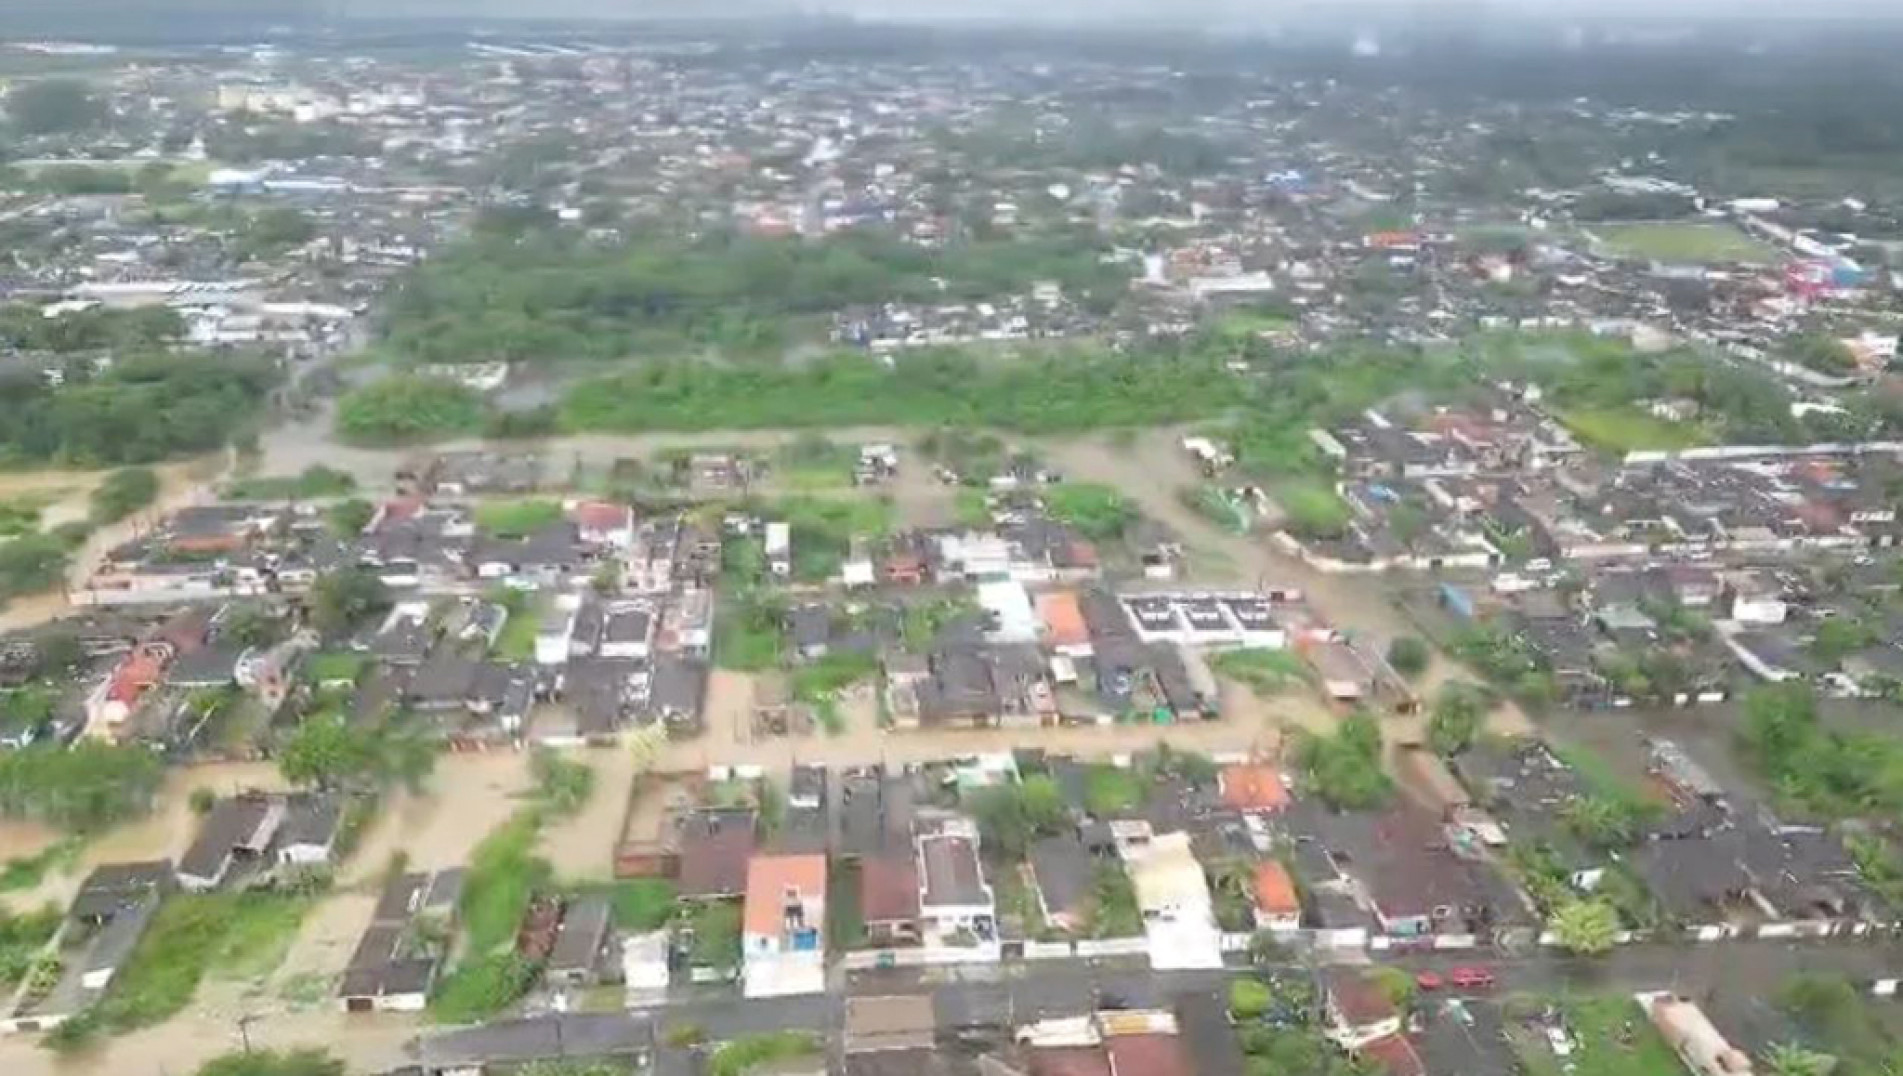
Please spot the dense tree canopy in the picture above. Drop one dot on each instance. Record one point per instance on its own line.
(54, 106)
(541, 296)
(139, 411)
(1067, 392)
(344, 598)
(124, 492)
(1814, 767)
(408, 408)
(1345, 769)
(88, 785)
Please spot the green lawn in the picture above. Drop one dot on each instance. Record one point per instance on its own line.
(1611, 1037)
(514, 519)
(1244, 322)
(517, 641)
(642, 904)
(1265, 671)
(503, 874)
(1675, 242)
(234, 935)
(1108, 790)
(1624, 429)
(335, 667)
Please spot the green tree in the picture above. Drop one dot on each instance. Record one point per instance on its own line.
(1098, 512)
(345, 598)
(347, 519)
(123, 492)
(1586, 927)
(408, 407)
(1791, 1059)
(1042, 803)
(89, 785)
(1839, 637)
(1605, 822)
(54, 106)
(303, 1062)
(1249, 998)
(1455, 721)
(32, 563)
(324, 752)
(1409, 655)
(1345, 769)
(274, 230)
(1010, 817)
(250, 624)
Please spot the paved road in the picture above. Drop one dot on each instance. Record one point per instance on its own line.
(1004, 995)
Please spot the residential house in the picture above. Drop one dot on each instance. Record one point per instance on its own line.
(1357, 1007)
(1252, 788)
(395, 963)
(308, 835)
(889, 898)
(1691, 1035)
(956, 905)
(581, 945)
(603, 524)
(1172, 893)
(784, 924)
(112, 886)
(239, 830)
(716, 845)
(1278, 907)
(1064, 873)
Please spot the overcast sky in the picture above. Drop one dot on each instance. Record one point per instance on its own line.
(1148, 10)
(1185, 14)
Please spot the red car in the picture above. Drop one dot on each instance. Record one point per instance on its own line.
(1429, 980)
(1471, 978)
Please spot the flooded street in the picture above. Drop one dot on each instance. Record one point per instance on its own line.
(181, 483)
(471, 794)
(166, 832)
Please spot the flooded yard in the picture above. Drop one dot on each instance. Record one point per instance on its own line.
(581, 848)
(468, 795)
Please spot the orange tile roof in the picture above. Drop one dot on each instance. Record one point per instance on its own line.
(1063, 618)
(768, 879)
(1395, 1055)
(1274, 889)
(1253, 788)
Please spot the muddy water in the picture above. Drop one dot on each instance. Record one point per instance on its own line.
(581, 849)
(181, 483)
(166, 832)
(468, 796)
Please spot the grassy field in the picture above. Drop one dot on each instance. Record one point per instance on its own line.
(1611, 1036)
(1622, 429)
(1266, 672)
(335, 665)
(1673, 242)
(517, 640)
(516, 519)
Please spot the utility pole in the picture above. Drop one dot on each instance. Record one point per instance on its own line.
(244, 1030)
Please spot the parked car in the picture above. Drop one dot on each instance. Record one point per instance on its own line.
(1429, 980)
(1471, 978)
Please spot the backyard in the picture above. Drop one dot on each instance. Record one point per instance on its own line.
(1609, 1035)
(1626, 429)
